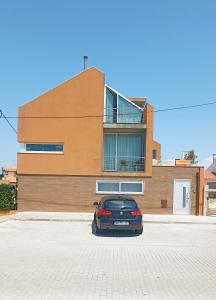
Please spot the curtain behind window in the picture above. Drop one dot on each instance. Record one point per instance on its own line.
(123, 152)
(110, 152)
(128, 113)
(130, 150)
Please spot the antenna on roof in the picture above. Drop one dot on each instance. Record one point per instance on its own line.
(85, 60)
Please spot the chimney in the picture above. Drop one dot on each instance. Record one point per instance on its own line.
(85, 60)
(214, 159)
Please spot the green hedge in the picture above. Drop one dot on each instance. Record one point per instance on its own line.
(7, 195)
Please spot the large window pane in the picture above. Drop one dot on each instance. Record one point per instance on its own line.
(123, 152)
(120, 110)
(131, 187)
(127, 112)
(108, 187)
(111, 107)
(110, 152)
(130, 152)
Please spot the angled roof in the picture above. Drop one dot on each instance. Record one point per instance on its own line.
(210, 175)
(64, 83)
(212, 168)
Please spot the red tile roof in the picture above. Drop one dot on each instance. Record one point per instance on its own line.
(210, 175)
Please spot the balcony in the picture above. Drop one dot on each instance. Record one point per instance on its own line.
(124, 126)
(120, 112)
(124, 163)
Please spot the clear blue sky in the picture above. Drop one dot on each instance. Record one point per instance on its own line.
(164, 50)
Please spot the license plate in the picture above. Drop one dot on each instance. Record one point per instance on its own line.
(121, 223)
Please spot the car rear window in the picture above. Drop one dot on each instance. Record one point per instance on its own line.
(120, 204)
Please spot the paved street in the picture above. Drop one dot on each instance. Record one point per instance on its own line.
(64, 260)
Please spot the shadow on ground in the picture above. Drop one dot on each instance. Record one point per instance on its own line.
(112, 233)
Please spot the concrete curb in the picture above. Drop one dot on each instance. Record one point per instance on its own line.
(90, 221)
(88, 217)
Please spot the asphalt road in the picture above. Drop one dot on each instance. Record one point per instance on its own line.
(64, 260)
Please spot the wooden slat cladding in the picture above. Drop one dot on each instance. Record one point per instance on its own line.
(77, 193)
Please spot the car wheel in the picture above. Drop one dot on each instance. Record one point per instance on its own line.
(97, 230)
(139, 231)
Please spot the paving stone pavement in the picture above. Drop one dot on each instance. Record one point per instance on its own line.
(64, 260)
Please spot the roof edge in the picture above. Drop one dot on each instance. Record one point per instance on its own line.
(64, 82)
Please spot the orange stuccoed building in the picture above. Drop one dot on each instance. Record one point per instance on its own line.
(82, 140)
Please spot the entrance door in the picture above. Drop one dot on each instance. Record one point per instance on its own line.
(182, 197)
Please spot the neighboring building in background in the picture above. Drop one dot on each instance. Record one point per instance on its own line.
(175, 162)
(183, 162)
(210, 181)
(9, 175)
(212, 167)
(97, 142)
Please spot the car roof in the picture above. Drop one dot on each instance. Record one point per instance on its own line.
(116, 197)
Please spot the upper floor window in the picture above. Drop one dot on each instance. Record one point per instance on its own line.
(43, 148)
(124, 152)
(154, 154)
(118, 109)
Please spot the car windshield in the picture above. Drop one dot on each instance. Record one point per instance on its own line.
(120, 204)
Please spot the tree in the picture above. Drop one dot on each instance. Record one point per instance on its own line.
(7, 196)
(191, 156)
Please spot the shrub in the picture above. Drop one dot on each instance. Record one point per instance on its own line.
(7, 195)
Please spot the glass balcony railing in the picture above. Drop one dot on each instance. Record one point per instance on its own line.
(124, 163)
(120, 110)
(126, 116)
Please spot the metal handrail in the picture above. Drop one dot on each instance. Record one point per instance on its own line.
(124, 163)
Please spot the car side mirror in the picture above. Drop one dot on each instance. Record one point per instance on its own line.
(95, 203)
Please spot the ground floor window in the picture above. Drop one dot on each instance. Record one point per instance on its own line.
(119, 187)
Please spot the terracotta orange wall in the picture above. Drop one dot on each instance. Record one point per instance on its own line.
(200, 191)
(149, 117)
(157, 147)
(82, 137)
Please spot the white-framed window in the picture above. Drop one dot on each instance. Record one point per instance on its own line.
(119, 187)
(55, 148)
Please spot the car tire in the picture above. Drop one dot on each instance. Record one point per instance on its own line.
(97, 230)
(139, 231)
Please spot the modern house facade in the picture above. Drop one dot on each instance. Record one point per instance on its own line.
(83, 139)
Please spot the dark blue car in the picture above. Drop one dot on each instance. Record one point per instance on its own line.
(118, 213)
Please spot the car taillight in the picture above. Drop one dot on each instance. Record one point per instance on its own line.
(136, 213)
(103, 212)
